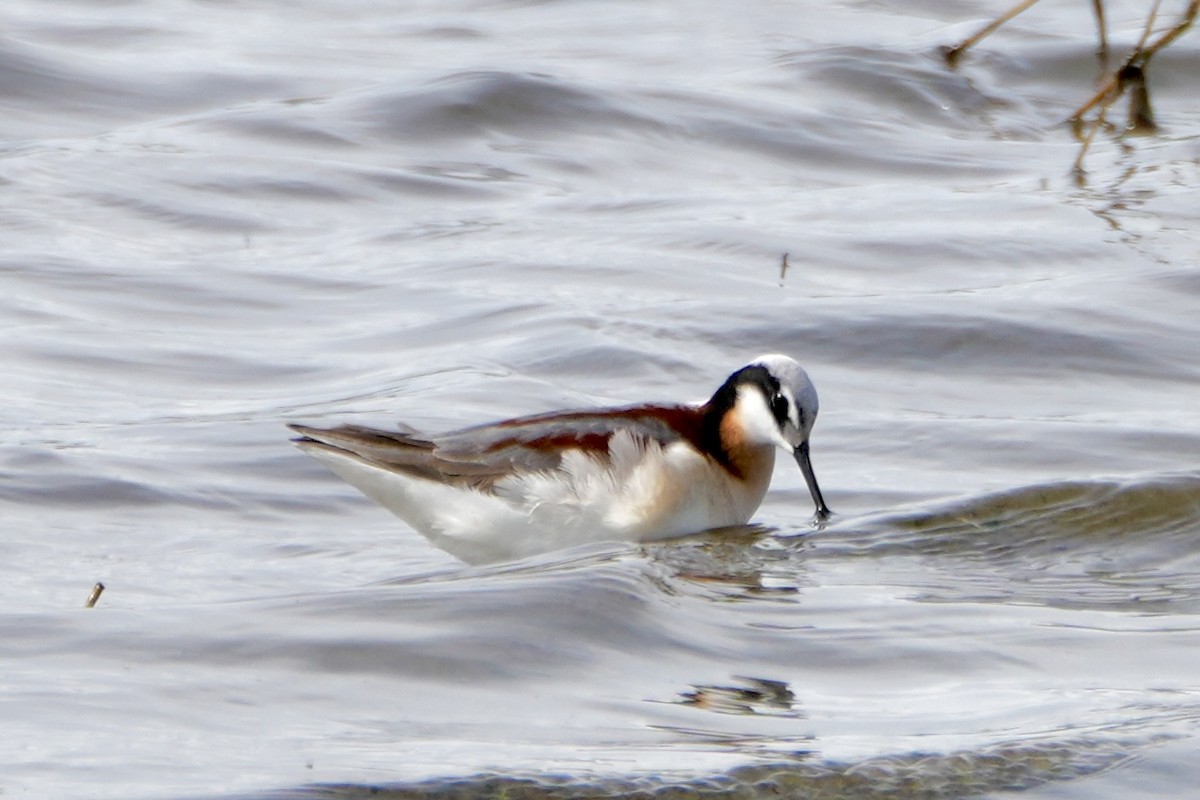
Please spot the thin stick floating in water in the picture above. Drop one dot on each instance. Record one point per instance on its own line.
(97, 590)
(1129, 77)
(952, 54)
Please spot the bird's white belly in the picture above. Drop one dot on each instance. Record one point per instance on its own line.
(642, 491)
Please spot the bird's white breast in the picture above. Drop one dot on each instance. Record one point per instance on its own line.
(643, 490)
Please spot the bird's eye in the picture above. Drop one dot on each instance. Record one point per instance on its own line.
(779, 407)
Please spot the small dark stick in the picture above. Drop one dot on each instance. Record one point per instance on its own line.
(97, 590)
(1141, 116)
(952, 54)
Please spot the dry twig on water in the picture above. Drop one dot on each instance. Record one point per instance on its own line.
(953, 54)
(1129, 76)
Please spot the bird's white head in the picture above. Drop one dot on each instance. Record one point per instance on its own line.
(776, 403)
(789, 397)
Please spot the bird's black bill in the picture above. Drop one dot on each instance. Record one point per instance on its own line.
(801, 454)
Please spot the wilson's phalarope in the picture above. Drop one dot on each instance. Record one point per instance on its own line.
(537, 483)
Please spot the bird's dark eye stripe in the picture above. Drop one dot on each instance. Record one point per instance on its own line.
(779, 407)
(768, 384)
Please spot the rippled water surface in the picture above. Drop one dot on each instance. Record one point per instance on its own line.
(219, 217)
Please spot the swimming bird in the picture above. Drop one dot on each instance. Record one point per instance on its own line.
(532, 484)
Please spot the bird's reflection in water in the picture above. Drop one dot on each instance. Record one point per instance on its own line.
(746, 562)
(749, 697)
(757, 696)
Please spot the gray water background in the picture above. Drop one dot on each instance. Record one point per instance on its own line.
(220, 216)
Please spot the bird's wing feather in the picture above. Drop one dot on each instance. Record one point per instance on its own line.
(482, 455)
